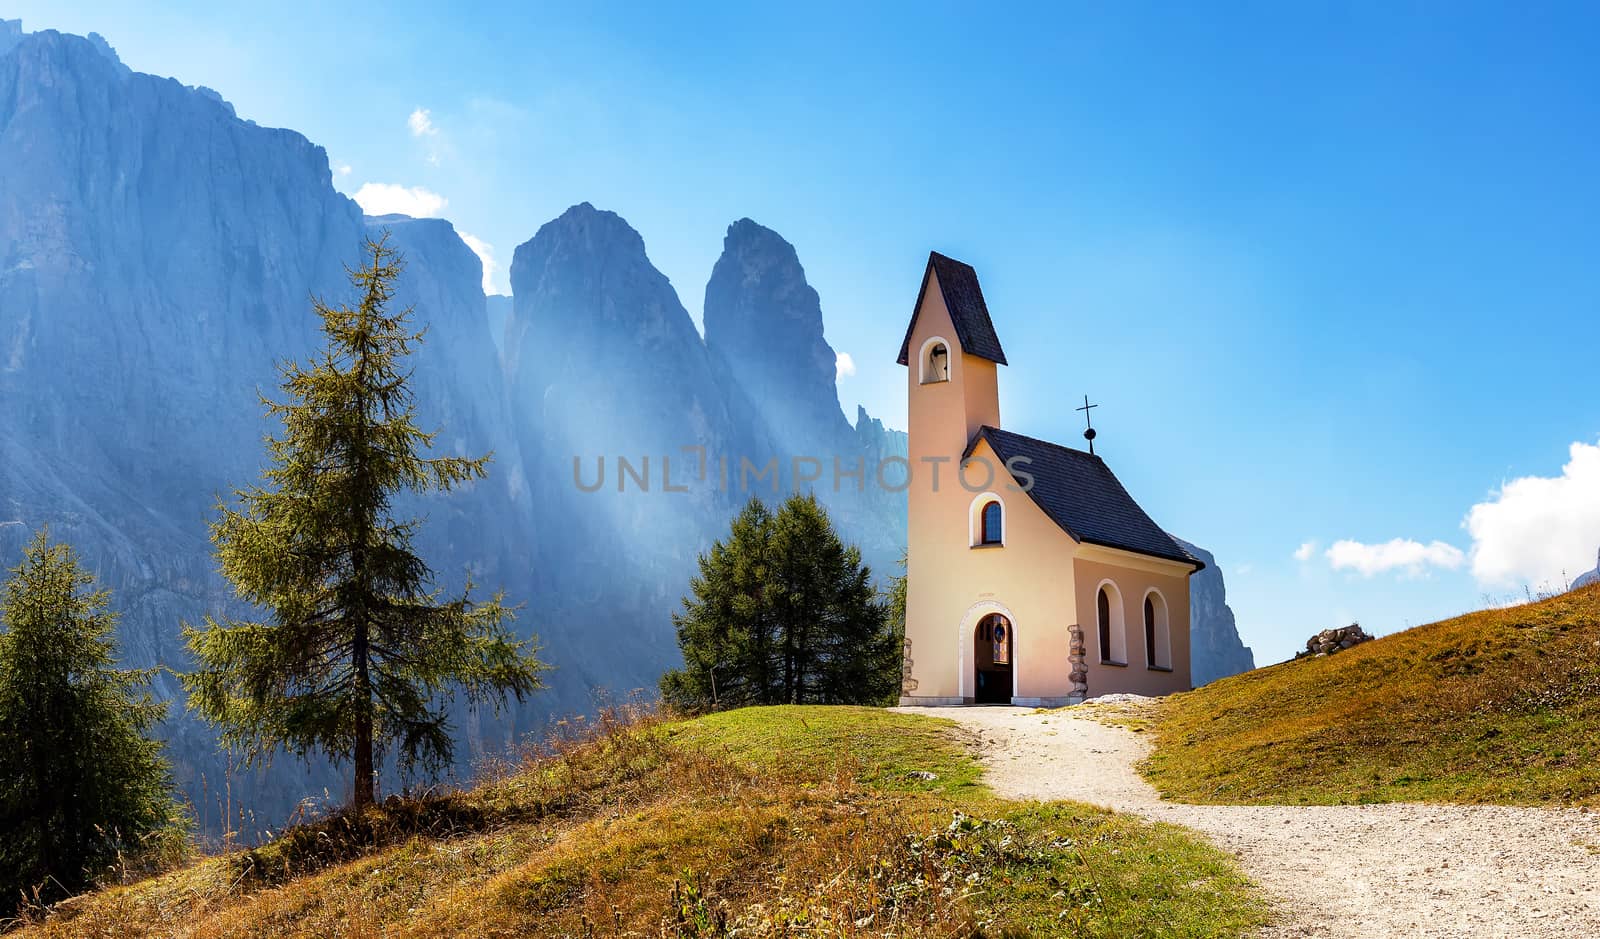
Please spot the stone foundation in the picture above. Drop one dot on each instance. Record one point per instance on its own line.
(1056, 702)
(930, 701)
(1079, 671)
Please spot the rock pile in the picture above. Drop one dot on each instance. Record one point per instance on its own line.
(1330, 641)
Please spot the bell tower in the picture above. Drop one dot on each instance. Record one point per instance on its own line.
(951, 354)
(952, 358)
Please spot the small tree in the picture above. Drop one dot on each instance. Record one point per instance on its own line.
(783, 612)
(82, 785)
(361, 653)
(897, 625)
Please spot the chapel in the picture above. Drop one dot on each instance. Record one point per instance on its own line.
(1033, 577)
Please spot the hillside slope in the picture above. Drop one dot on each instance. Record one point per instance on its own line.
(763, 822)
(1497, 706)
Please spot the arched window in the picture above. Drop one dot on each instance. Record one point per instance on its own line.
(935, 361)
(1157, 635)
(1113, 636)
(991, 530)
(1103, 611)
(986, 520)
(1149, 632)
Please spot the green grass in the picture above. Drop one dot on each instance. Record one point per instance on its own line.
(883, 749)
(764, 822)
(1499, 706)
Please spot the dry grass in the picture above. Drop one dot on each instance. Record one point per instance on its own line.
(1496, 706)
(764, 822)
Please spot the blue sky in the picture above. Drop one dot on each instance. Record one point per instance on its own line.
(1330, 270)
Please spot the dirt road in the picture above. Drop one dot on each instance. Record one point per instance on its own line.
(1401, 870)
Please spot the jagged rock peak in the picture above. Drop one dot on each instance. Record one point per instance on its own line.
(438, 227)
(874, 437)
(1215, 649)
(10, 34)
(765, 322)
(440, 269)
(586, 276)
(13, 36)
(750, 238)
(587, 227)
(865, 421)
(104, 48)
(758, 292)
(596, 254)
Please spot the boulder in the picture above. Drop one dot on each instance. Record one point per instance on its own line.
(1330, 641)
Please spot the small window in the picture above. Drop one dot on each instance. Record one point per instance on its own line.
(992, 533)
(1157, 633)
(937, 365)
(1103, 611)
(1149, 633)
(1113, 631)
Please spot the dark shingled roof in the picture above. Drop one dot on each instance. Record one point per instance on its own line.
(1079, 493)
(959, 284)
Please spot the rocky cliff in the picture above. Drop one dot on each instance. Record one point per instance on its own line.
(1215, 650)
(156, 254)
(764, 322)
(623, 416)
(498, 306)
(764, 326)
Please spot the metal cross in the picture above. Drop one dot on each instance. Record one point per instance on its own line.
(1088, 434)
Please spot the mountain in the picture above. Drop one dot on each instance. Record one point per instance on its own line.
(156, 255)
(1215, 650)
(1593, 577)
(616, 402)
(764, 322)
(498, 308)
(764, 327)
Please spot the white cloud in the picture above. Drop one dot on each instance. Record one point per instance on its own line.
(386, 198)
(1403, 554)
(1536, 529)
(485, 253)
(343, 169)
(1304, 552)
(843, 366)
(421, 123)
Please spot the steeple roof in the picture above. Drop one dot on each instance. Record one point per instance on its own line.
(958, 284)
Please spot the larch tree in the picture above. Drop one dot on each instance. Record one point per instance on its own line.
(83, 784)
(361, 655)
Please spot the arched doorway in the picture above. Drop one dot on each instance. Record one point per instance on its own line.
(992, 659)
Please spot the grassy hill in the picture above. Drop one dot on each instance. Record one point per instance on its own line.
(1497, 706)
(791, 821)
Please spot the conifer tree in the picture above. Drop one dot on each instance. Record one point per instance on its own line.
(82, 784)
(783, 612)
(726, 631)
(360, 655)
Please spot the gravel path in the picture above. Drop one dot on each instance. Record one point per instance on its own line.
(1401, 870)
